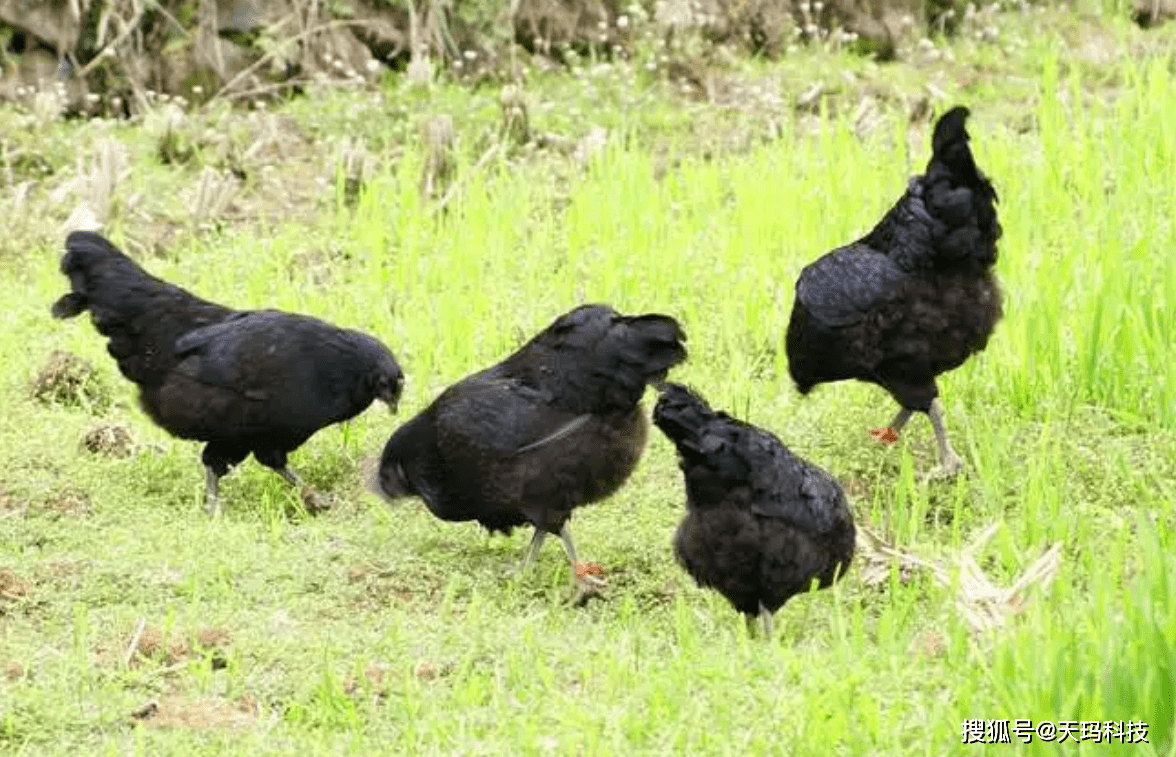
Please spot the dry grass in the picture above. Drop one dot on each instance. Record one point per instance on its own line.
(984, 605)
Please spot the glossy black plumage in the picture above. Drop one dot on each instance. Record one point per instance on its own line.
(761, 524)
(916, 296)
(554, 426)
(258, 382)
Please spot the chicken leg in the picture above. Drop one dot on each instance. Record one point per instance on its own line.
(765, 617)
(313, 500)
(586, 576)
(950, 463)
(212, 504)
(218, 460)
(533, 551)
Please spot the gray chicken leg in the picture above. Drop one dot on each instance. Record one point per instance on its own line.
(211, 492)
(533, 550)
(765, 617)
(587, 576)
(312, 499)
(584, 575)
(950, 463)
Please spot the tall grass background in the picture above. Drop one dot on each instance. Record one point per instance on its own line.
(1066, 421)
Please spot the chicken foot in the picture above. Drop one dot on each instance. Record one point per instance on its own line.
(313, 500)
(889, 435)
(950, 463)
(586, 576)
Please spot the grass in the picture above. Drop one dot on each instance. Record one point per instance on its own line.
(375, 629)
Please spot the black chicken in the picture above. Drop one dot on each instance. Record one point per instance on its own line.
(556, 425)
(912, 299)
(761, 524)
(243, 381)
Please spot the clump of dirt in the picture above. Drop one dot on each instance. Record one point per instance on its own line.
(70, 381)
(207, 713)
(14, 671)
(63, 572)
(929, 644)
(378, 588)
(376, 679)
(67, 501)
(372, 682)
(373, 679)
(428, 671)
(110, 440)
(10, 504)
(12, 588)
(151, 643)
(212, 638)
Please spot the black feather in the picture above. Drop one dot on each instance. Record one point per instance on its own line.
(552, 427)
(916, 296)
(260, 382)
(761, 524)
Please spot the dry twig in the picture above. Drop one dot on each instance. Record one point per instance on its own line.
(134, 645)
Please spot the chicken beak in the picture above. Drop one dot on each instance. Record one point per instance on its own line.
(391, 397)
